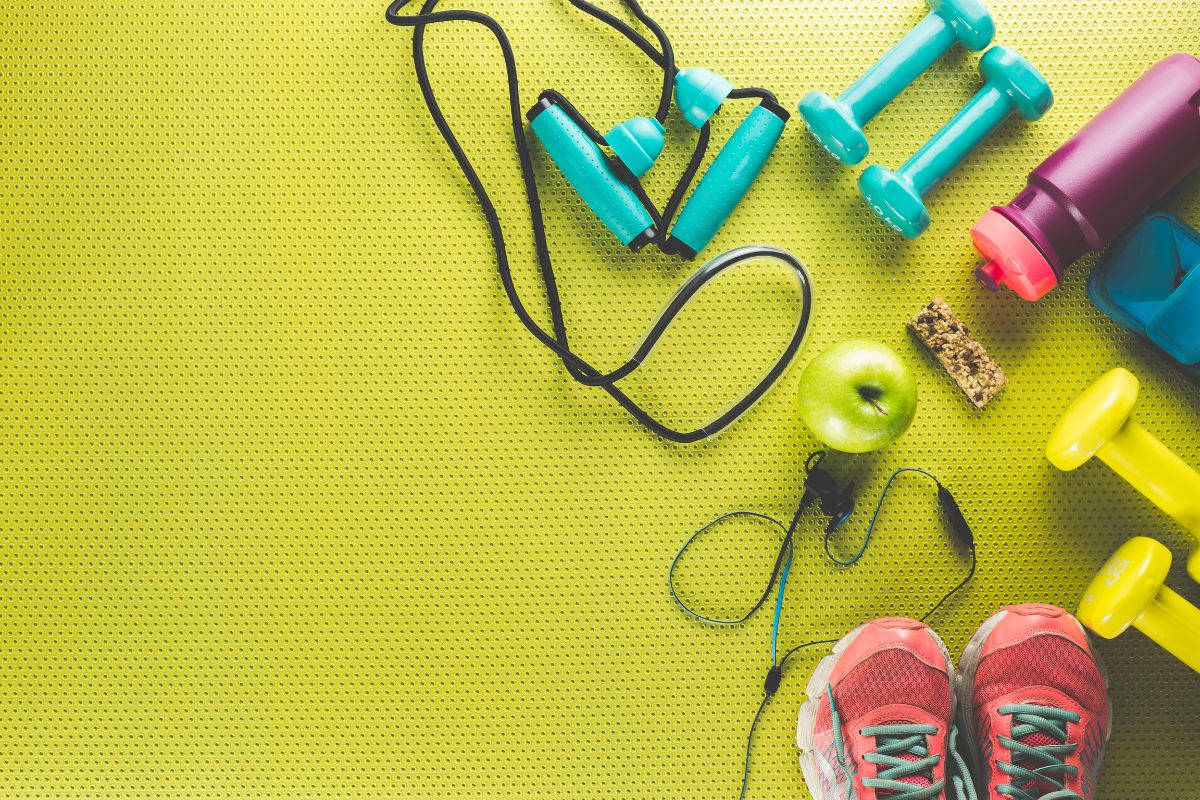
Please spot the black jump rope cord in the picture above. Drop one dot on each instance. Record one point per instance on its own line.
(557, 342)
(580, 369)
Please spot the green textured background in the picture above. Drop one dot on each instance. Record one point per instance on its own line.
(292, 507)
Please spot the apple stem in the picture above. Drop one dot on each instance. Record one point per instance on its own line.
(878, 407)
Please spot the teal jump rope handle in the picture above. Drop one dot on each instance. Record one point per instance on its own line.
(588, 171)
(726, 182)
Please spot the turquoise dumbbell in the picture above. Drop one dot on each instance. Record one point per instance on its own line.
(838, 124)
(1011, 84)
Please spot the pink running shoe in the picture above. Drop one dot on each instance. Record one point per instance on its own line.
(876, 725)
(1034, 705)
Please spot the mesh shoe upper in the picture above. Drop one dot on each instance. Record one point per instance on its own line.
(883, 716)
(1039, 706)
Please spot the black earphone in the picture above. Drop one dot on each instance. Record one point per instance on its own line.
(836, 502)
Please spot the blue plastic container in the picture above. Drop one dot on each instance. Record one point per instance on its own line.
(1149, 282)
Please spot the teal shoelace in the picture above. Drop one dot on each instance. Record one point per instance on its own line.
(892, 744)
(1036, 768)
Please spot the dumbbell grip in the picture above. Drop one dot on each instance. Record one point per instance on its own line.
(729, 177)
(974, 122)
(1174, 624)
(1163, 477)
(898, 67)
(588, 171)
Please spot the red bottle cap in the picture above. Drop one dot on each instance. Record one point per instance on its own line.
(1010, 259)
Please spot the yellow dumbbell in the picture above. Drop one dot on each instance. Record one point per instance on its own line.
(1098, 424)
(1129, 590)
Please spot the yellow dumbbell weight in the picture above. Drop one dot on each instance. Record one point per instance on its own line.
(1129, 590)
(1098, 424)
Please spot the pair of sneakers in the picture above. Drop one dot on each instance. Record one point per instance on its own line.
(1029, 694)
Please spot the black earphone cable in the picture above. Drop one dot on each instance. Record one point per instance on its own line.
(775, 674)
(818, 485)
(557, 341)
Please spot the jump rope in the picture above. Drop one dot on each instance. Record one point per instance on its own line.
(556, 340)
(820, 488)
(819, 485)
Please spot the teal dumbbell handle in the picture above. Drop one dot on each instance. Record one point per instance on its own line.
(898, 68)
(1013, 84)
(838, 124)
(726, 182)
(938, 157)
(583, 164)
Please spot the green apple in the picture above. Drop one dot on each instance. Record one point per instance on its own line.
(858, 396)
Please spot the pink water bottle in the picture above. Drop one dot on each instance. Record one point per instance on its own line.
(1098, 183)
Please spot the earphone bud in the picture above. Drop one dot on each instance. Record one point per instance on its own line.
(637, 141)
(838, 504)
(699, 93)
(820, 485)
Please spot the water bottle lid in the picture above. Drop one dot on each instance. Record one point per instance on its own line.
(1010, 258)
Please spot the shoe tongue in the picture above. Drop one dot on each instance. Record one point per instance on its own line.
(919, 780)
(1040, 739)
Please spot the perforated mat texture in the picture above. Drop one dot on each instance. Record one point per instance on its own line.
(292, 507)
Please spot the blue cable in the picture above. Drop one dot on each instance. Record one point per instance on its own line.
(783, 560)
(874, 518)
(783, 576)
